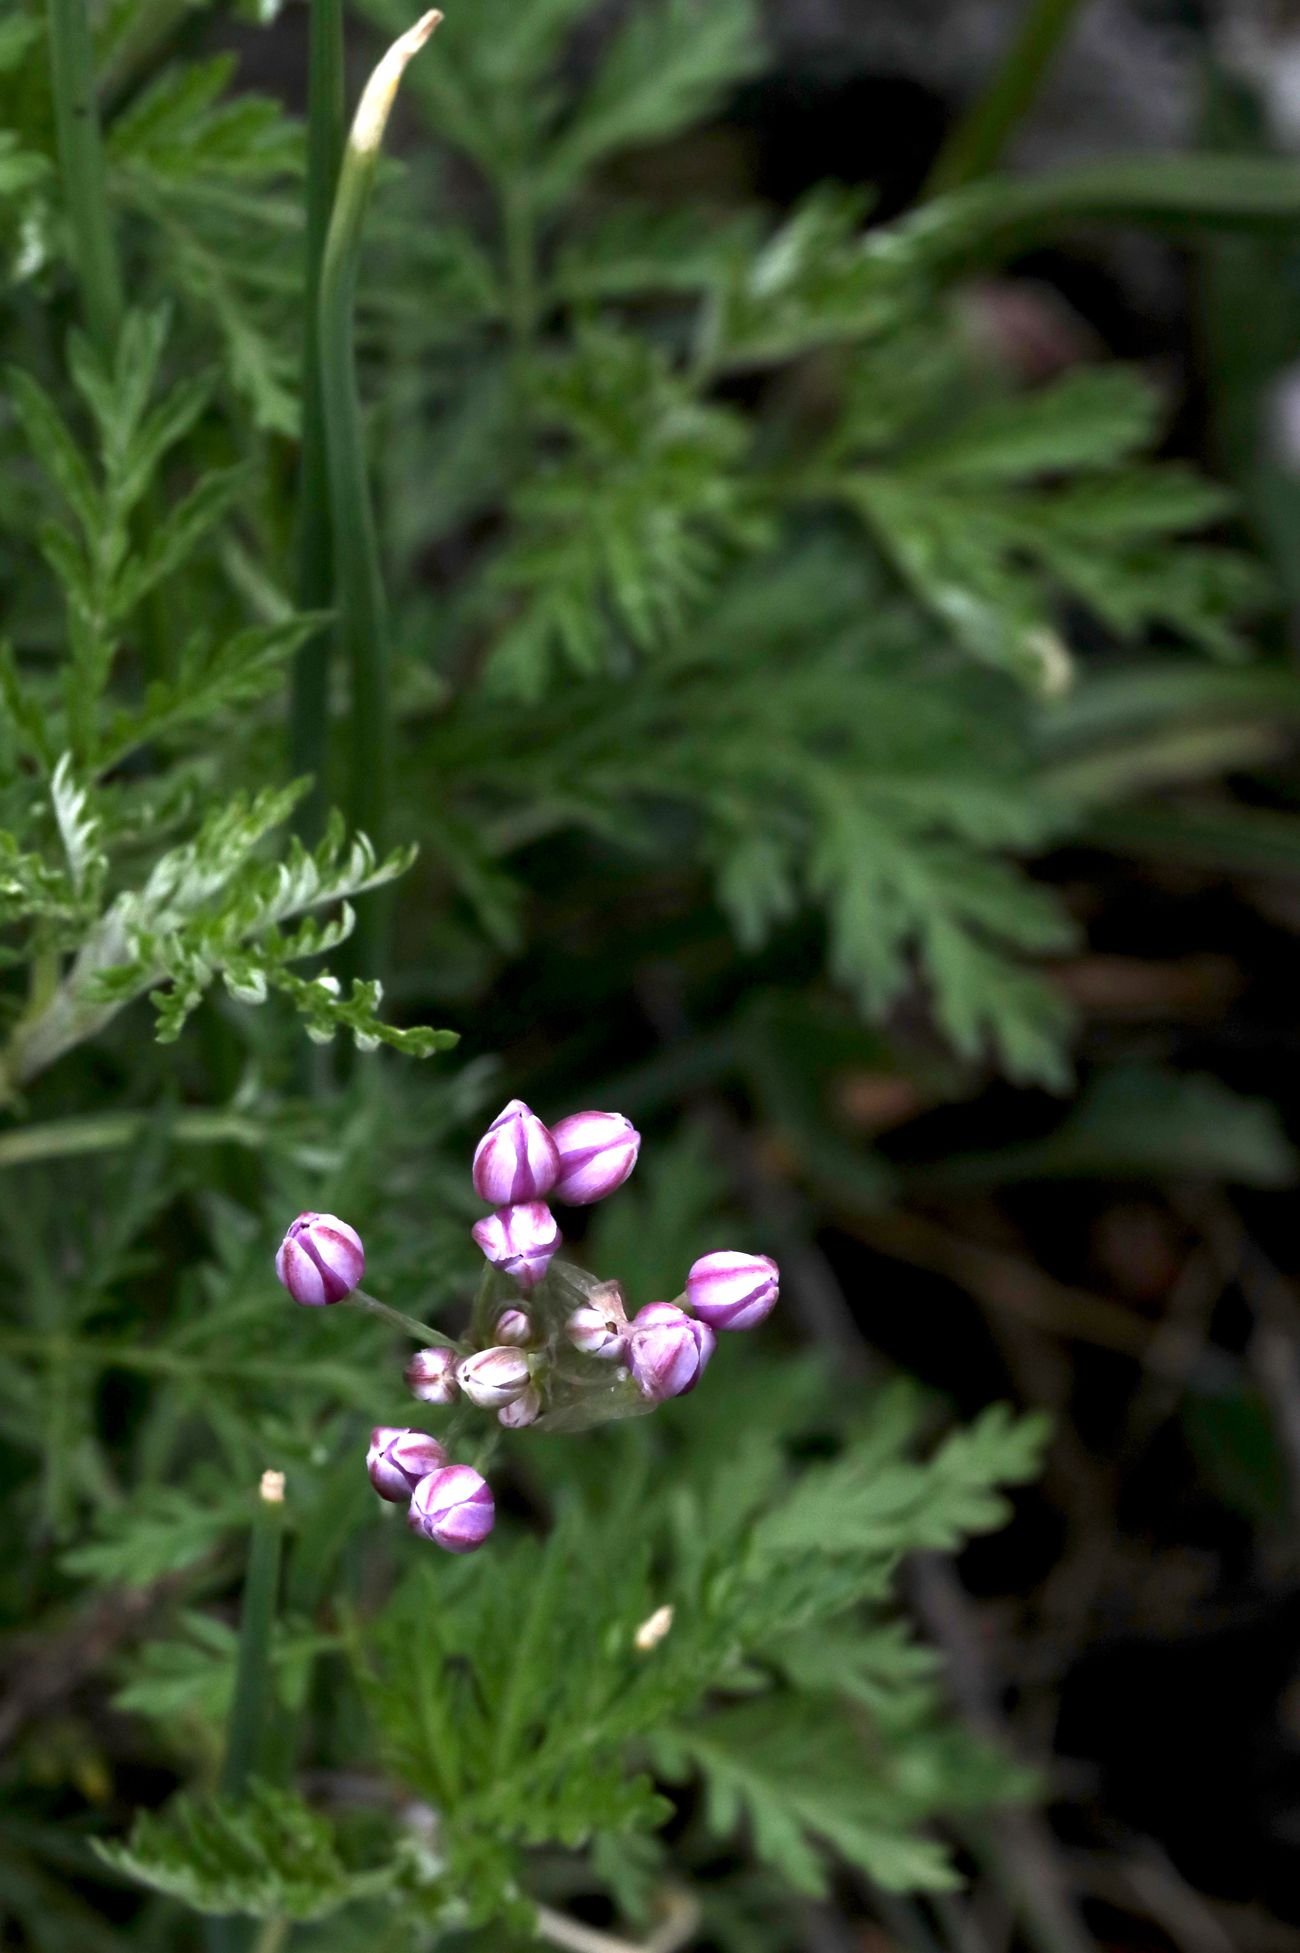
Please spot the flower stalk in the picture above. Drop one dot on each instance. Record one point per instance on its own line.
(977, 142)
(309, 702)
(246, 1730)
(359, 587)
(81, 163)
(408, 1325)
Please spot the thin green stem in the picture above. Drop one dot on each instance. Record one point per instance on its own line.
(246, 1729)
(521, 260)
(309, 701)
(980, 136)
(409, 1325)
(362, 610)
(81, 163)
(108, 1132)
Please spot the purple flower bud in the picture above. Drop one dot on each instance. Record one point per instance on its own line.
(320, 1260)
(597, 1151)
(513, 1326)
(431, 1376)
(597, 1331)
(454, 1508)
(516, 1159)
(493, 1377)
(519, 1240)
(398, 1459)
(667, 1350)
(732, 1291)
(524, 1411)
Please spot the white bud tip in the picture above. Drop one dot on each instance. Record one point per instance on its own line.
(271, 1489)
(377, 98)
(652, 1630)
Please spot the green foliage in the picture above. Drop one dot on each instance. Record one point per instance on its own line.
(210, 906)
(738, 600)
(269, 1855)
(763, 617)
(518, 1701)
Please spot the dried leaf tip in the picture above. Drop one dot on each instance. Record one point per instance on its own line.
(371, 118)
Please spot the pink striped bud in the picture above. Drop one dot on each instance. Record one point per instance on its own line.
(492, 1378)
(516, 1159)
(519, 1240)
(513, 1326)
(732, 1291)
(398, 1459)
(667, 1350)
(431, 1376)
(597, 1331)
(597, 1151)
(454, 1508)
(320, 1260)
(524, 1411)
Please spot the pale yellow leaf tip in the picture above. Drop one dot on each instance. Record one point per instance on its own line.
(371, 118)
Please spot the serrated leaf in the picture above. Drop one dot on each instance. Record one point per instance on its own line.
(269, 1857)
(803, 1782)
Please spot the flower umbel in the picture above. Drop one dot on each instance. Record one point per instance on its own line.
(529, 1360)
(320, 1260)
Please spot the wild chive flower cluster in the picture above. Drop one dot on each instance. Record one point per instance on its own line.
(547, 1344)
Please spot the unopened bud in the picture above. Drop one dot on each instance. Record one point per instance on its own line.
(513, 1326)
(454, 1508)
(398, 1459)
(431, 1376)
(667, 1350)
(494, 1377)
(598, 1329)
(653, 1629)
(519, 1240)
(524, 1411)
(320, 1260)
(597, 1151)
(516, 1159)
(732, 1291)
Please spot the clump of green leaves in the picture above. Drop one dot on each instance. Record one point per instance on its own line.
(712, 544)
(726, 1623)
(123, 879)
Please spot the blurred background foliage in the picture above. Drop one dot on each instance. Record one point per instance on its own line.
(837, 479)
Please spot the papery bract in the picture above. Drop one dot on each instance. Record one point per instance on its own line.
(516, 1159)
(519, 1240)
(320, 1260)
(729, 1290)
(454, 1508)
(399, 1458)
(597, 1151)
(667, 1350)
